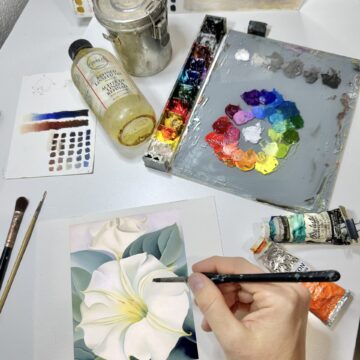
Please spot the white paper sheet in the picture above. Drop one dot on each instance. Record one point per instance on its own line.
(46, 141)
(53, 337)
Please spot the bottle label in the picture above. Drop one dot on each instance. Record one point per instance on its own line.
(102, 81)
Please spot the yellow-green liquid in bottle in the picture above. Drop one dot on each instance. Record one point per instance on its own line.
(121, 108)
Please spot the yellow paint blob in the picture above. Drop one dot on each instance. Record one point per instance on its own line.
(266, 164)
(271, 149)
(159, 136)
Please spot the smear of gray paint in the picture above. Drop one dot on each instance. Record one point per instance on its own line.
(311, 75)
(293, 68)
(276, 61)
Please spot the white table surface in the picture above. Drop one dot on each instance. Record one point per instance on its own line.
(39, 43)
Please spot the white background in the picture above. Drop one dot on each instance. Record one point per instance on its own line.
(39, 43)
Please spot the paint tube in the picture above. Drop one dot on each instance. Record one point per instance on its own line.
(327, 299)
(332, 227)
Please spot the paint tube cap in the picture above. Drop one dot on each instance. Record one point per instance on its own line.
(78, 45)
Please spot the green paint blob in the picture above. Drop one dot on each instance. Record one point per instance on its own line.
(283, 150)
(280, 126)
(297, 122)
(274, 136)
(291, 136)
(271, 149)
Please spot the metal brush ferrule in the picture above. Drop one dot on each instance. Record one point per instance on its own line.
(14, 228)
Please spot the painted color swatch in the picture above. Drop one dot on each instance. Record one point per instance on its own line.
(54, 132)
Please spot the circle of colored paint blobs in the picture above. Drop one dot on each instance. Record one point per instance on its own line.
(284, 118)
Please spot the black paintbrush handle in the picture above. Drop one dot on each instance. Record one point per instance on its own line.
(4, 262)
(308, 276)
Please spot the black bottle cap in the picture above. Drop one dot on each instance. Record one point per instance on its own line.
(78, 45)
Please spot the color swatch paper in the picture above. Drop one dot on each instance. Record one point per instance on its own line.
(54, 132)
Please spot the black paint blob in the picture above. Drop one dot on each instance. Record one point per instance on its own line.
(331, 79)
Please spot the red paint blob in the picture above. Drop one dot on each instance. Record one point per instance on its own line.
(221, 125)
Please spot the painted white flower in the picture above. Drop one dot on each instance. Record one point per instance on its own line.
(125, 314)
(117, 234)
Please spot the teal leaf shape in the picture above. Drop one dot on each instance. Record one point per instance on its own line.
(186, 347)
(82, 352)
(89, 260)
(164, 244)
(80, 280)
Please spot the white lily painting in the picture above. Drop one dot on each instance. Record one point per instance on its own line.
(119, 313)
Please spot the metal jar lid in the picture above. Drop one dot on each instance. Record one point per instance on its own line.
(128, 15)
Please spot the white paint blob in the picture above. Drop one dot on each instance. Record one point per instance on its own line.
(252, 134)
(258, 60)
(242, 55)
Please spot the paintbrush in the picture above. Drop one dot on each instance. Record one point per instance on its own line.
(21, 253)
(308, 276)
(20, 207)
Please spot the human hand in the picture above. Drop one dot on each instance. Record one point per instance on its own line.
(274, 325)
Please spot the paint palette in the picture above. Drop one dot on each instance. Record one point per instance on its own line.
(271, 122)
(54, 132)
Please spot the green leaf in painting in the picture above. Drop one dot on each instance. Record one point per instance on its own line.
(89, 260)
(165, 244)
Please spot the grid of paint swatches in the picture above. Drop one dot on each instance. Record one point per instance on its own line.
(173, 120)
(70, 150)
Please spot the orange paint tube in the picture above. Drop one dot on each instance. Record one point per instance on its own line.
(327, 299)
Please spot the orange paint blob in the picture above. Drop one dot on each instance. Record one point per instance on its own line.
(247, 161)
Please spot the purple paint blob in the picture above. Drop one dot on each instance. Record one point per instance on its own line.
(251, 97)
(242, 117)
(197, 64)
(266, 97)
(232, 134)
(231, 110)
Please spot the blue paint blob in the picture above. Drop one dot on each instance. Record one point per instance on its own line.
(269, 110)
(87, 150)
(279, 99)
(280, 126)
(191, 77)
(87, 156)
(267, 97)
(79, 151)
(78, 158)
(86, 163)
(288, 109)
(87, 143)
(278, 116)
(259, 112)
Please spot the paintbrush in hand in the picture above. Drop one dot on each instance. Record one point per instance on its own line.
(308, 276)
(20, 207)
